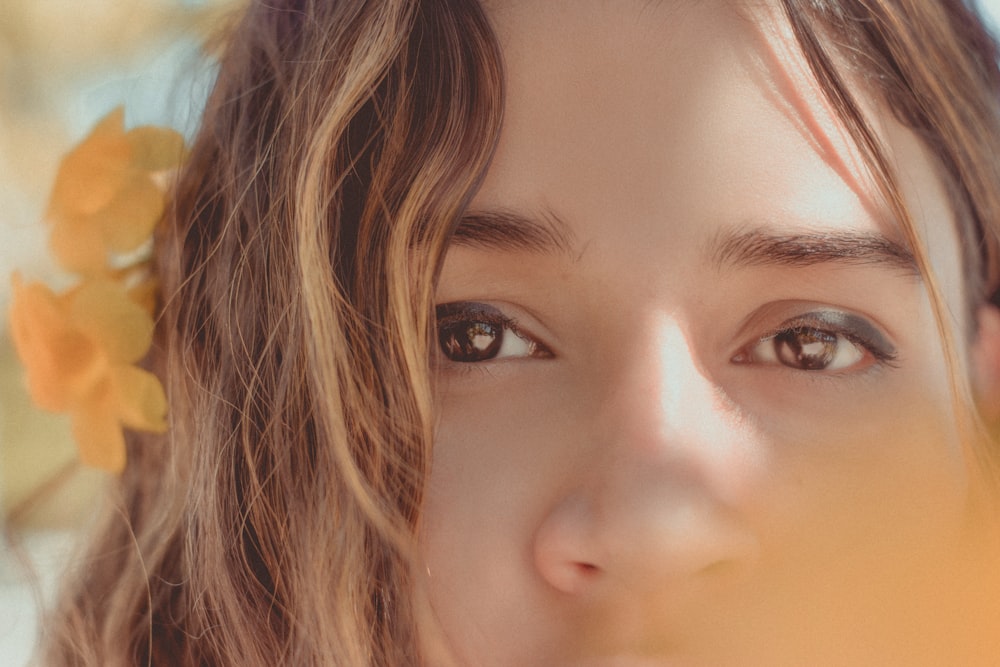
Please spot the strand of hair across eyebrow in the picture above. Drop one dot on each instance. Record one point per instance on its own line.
(944, 63)
(971, 428)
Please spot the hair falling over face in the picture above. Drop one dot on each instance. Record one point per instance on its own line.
(272, 525)
(277, 521)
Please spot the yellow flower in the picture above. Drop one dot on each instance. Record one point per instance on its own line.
(105, 199)
(80, 350)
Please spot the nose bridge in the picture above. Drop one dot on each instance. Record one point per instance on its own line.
(658, 396)
(659, 500)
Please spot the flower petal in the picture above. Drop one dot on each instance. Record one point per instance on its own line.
(103, 311)
(156, 148)
(98, 433)
(79, 244)
(62, 363)
(142, 404)
(91, 174)
(129, 218)
(146, 294)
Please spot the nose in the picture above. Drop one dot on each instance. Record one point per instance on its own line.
(658, 502)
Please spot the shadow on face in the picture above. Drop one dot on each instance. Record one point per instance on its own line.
(693, 402)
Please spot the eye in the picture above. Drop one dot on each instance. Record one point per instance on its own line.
(823, 341)
(808, 350)
(475, 332)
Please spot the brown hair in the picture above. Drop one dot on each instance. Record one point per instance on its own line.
(274, 524)
(935, 67)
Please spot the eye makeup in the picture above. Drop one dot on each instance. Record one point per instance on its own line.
(830, 324)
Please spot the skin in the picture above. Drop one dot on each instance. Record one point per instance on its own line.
(637, 478)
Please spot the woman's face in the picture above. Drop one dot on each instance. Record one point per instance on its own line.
(693, 404)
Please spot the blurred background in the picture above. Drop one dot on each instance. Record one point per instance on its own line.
(64, 64)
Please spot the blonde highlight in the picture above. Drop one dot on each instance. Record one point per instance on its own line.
(276, 523)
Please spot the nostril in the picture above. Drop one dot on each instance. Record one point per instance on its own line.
(570, 576)
(564, 549)
(638, 535)
(587, 571)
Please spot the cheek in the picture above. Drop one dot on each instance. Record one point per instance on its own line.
(880, 470)
(864, 508)
(868, 523)
(852, 494)
(876, 487)
(495, 455)
(490, 455)
(493, 469)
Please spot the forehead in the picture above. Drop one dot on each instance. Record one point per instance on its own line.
(663, 120)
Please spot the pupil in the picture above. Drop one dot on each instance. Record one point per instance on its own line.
(470, 341)
(806, 349)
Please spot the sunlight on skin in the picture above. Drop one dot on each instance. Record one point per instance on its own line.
(646, 484)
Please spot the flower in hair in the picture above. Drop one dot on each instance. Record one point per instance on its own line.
(106, 199)
(81, 347)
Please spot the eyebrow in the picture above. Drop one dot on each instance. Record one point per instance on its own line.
(510, 231)
(506, 230)
(850, 248)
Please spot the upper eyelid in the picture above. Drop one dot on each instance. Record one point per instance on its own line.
(454, 309)
(837, 321)
(457, 311)
(496, 314)
(776, 317)
(856, 328)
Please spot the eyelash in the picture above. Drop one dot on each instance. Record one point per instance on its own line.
(480, 333)
(457, 321)
(833, 325)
